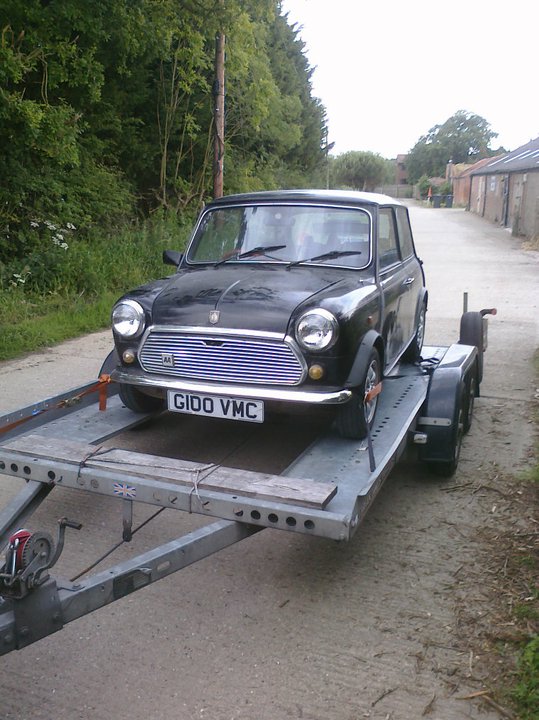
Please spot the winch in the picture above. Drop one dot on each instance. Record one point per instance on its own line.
(28, 557)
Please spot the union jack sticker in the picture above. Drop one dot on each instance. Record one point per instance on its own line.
(124, 490)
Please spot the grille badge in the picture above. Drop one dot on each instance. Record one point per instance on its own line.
(214, 316)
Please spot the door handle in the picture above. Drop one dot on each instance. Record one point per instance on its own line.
(408, 281)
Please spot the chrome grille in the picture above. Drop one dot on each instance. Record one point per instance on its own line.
(221, 358)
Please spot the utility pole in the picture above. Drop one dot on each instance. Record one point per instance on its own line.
(219, 114)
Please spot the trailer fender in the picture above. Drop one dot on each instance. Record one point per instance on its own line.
(473, 331)
(371, 339)
(445, 412)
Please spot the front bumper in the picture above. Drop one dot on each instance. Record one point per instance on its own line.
(277, 394)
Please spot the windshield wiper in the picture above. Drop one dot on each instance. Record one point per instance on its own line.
(260, 250)
(325, 256)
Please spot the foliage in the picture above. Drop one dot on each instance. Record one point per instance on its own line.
(424, 184)
(464, 137)
(526, 693)
(446, 188)
(69, 287)
(106, 109)
(359, 170)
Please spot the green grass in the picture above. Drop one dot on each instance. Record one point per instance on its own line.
(57, 320)
(526, 692)
(55, 294)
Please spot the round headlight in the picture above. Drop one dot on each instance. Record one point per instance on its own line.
(128, 319)
(317, 330)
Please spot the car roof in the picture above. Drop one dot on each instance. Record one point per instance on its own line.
(345, 197)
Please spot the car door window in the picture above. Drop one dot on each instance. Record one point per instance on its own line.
(405, 233)
(388, 250)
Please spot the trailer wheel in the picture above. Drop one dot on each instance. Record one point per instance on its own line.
(470, 392)
(447, 468)
(413, 352)
(471, 333)
(356, 416)
(137, 401)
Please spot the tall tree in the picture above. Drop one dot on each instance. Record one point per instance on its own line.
(107, 104)
(464, 137)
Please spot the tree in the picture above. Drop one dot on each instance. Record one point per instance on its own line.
(462, 138)
(359, 170)
(108, 105)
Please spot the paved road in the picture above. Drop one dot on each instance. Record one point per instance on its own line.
(281, 625)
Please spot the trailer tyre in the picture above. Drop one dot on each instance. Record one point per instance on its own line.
(470, 392)
(137, 401)
(355, 417)
(447, 468)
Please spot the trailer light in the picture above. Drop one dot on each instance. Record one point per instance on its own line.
(316, 372)
(128, 356)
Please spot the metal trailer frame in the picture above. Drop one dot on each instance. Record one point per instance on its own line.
(37, 604)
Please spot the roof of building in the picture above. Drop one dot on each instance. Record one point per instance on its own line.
(466, 170)
(524, 158)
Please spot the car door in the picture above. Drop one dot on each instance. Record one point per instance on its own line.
(413, 279)
(392, 278)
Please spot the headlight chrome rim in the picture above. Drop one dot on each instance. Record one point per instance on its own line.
(128, 319)
(319, 324)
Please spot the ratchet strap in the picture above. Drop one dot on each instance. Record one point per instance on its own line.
(100, 387)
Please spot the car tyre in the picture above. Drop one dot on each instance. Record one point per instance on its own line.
(137, 401)
(355, 417)
(412, 354)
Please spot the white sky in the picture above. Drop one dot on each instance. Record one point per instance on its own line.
(389, 70)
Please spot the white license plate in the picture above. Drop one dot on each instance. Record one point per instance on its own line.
(216, 406)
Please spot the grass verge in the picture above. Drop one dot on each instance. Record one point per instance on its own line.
(58, 293)
(51, 321)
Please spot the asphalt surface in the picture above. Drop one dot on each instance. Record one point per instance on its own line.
(283, 625)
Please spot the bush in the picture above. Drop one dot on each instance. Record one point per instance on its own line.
(423, 185)
(68, 286)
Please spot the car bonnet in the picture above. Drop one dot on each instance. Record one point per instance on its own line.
(232, 297)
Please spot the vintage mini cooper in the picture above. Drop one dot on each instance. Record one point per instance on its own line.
(294, 296)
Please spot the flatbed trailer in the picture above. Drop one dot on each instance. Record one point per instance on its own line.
(326, 491)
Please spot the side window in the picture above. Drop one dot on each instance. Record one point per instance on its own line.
(388, 251)
(405, 233)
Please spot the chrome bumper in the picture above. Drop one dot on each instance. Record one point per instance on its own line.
(144, 380)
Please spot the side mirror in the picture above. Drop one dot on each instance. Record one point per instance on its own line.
(172, 257)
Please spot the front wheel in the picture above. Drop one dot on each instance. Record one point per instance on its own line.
(412, 354)
(354, 419)
(137, 401)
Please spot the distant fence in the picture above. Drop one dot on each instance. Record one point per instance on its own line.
(396, 191)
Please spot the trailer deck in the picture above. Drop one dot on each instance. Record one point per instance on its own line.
(325, 492)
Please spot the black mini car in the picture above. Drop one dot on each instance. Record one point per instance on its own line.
(294, 296)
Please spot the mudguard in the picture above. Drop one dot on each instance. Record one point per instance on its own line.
(441, 420)
(356, 375)
(110, 363)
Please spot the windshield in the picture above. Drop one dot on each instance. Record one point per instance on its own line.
(283, 233)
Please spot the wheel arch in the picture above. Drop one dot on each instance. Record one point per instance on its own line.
(371, 339)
